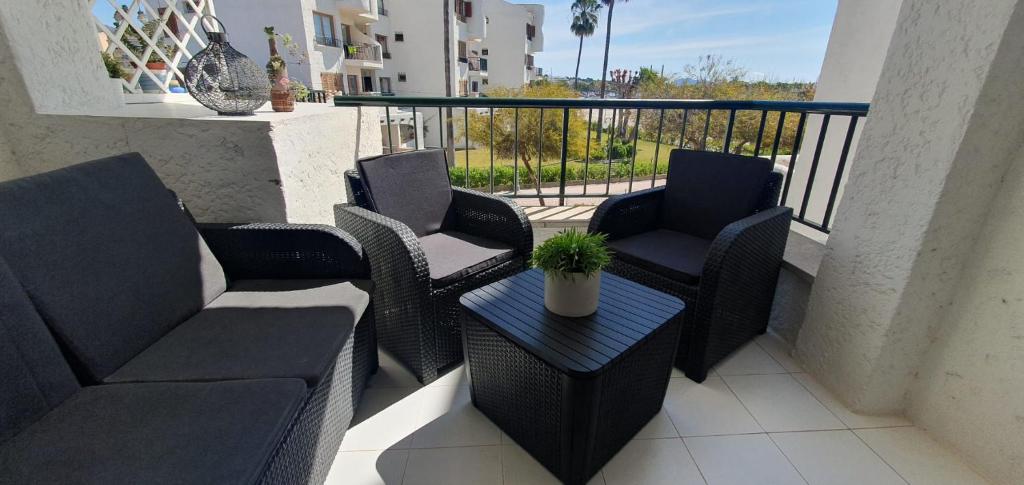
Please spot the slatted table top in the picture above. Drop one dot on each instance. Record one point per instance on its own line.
(627, 315)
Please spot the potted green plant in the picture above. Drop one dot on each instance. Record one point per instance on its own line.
(572, 261)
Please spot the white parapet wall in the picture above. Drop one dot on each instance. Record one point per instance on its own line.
(271, 167)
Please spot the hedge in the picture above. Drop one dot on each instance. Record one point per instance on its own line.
(503, 174)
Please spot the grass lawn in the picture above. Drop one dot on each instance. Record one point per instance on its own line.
(481, 157)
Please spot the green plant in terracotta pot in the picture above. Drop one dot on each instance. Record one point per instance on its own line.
(572, 261)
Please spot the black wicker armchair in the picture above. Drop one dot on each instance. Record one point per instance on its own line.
(713, 236)
(428, 243)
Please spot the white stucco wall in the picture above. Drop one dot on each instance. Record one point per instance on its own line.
(969, 391)
(947, 118)
(853, 62)
(506, 45)
(60, 70)
(228, 169)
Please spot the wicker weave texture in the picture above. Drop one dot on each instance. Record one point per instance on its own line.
(732, 302)
(417, 322)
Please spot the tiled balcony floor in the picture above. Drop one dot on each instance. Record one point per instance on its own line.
(756, 419)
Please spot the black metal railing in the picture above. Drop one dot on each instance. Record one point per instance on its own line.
(314, 96)
(328, 41)
(478, 64)
(365, 52)
(592, 158)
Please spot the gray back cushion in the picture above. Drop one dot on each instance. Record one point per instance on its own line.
(107, 256)
(411, 187)
(707, 191)
(34, 378)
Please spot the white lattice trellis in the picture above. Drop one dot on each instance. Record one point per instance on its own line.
(188, 40)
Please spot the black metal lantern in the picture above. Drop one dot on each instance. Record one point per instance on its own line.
(223, 79)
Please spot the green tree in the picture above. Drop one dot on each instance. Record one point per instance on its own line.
(607, 43)
(584, 23)
(534, 140)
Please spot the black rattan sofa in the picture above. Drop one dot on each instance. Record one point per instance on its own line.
(713, 236)
(134, 350)
(428, 243)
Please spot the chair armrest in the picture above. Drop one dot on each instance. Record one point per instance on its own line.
(628, 214)
(491, 217)
(285, 251)
(401, 280)
(738, 281)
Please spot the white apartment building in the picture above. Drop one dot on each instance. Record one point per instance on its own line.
(394, 47)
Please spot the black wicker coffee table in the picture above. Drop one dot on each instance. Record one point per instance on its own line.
(570, 391)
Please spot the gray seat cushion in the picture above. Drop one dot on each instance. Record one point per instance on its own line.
(412, 188)
(156, 433)
(707, 191)
(453, 256)
(34, 378)
(669, 253)
(107, 256)
(257, 329)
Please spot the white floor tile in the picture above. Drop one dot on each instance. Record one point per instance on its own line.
(850, 418)
(519, 468)
(368, 468)
(918, 458)
(742, 460)
(780, 403)
(749, 359)
(454, 421)
(780, 351)
(653, 462)
(704, 409)
(386, 418)
(660, 426)
(835, 458)
(478, 465)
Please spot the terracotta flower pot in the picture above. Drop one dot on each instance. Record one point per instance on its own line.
(156, 66)
(282, 101)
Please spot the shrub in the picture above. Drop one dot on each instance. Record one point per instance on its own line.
(572, 251)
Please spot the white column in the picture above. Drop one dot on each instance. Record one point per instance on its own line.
(946, 120)
(853, 63)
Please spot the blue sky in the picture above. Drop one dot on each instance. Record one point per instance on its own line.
(783, 40)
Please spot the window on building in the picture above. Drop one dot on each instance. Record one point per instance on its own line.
(383, 41)
(353, 84)
(460, 10)
(401, 77)
(323, 28)
(483, 52)
(476, 87)
(531, 31)
(399, 37)
(381, 9)
(385, 85)
(463, 57)
(485, 82)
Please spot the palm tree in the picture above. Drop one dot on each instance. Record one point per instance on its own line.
(607, 43)
(584, 23)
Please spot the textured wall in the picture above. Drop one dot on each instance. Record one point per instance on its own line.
(946, 120)
(312, 165)
(62, 70)
(853, 62)
(970, 389)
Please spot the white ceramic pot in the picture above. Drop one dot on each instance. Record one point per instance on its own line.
(571, 295)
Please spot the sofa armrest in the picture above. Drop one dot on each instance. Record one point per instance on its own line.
(285, 251)
(492, 217)
(401, 279)
(738, 281)
(628, 214)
